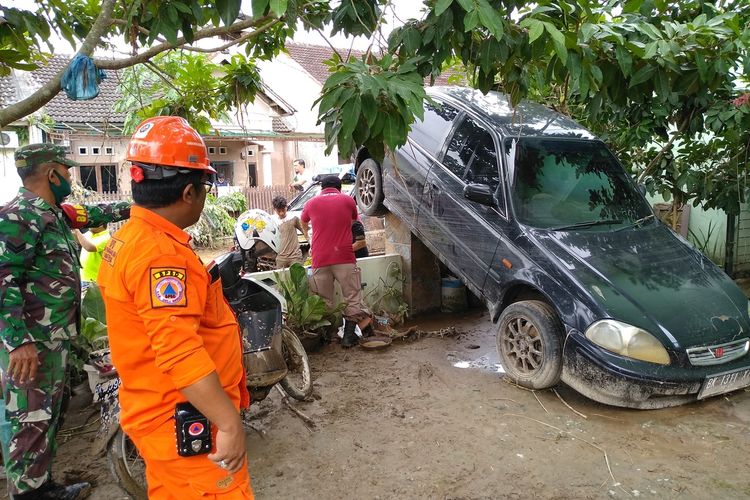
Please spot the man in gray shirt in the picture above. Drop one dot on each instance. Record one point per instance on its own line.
(289, 251)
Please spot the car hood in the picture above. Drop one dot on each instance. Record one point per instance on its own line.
(650, 278)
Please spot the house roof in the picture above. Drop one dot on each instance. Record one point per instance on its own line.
(61, 109)
(311, 58)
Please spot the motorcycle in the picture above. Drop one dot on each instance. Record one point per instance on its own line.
(272, 353)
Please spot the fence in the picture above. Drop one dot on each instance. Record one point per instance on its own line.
(261, 196)
(257, 197)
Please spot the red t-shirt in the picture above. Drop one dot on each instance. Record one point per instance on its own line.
(331, 214)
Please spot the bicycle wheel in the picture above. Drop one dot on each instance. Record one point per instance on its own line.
(127, 466)
(298, 381)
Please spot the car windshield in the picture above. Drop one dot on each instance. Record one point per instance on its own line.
(565, 184)
(299, 202)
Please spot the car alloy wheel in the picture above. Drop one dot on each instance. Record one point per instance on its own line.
(529, 344)
(369, 189)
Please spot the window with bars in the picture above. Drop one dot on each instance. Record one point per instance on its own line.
(99, 178)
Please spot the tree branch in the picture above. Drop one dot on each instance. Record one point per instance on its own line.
(211, 50)
(50, 89)
(205, 33)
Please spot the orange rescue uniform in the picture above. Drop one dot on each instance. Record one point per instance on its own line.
(169, 327)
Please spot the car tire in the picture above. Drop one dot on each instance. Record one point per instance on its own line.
(369, 189)
(529, 344)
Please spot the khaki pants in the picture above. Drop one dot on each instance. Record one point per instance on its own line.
(282, 262)
(349, 279)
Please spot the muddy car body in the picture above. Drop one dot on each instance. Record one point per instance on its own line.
(541, 222)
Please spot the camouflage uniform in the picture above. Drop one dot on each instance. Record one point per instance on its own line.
(40, 292)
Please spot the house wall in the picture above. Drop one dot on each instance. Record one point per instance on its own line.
(9, 180)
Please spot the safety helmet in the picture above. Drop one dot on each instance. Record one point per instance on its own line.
(256, 225)
(168, 141)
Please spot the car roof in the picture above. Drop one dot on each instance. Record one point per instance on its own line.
(526, 119)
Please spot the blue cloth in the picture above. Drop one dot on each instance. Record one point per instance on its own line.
(82, 78)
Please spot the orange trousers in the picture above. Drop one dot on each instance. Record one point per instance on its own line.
(171, 477)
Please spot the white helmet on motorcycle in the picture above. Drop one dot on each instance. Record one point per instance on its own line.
(256, 225)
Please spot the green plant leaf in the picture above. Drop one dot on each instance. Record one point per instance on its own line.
(441, 6)
(229, 10)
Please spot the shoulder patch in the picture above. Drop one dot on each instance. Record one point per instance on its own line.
(110, 252)
(168, 287)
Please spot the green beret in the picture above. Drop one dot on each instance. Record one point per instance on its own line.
(36, 154)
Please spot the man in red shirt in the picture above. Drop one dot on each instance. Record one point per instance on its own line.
(332, 214)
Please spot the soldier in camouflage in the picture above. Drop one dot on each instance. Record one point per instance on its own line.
(40, 290)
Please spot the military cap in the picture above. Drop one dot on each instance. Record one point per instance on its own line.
(36, 154)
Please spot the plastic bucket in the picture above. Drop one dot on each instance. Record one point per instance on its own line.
(453, 295)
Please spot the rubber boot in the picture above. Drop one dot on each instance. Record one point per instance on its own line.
(350, 338)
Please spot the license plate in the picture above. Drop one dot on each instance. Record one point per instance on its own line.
(725, 382)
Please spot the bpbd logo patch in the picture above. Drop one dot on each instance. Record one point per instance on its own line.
(168, 288)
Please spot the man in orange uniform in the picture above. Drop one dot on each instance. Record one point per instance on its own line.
(173, 337)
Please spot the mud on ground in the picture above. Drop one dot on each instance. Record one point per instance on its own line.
(408, 422)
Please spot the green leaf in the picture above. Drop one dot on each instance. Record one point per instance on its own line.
(490, 19)
(558, 40)
(624, 59)
(411, 39)
(650, 50)
(278, 7)
(350, 116)
(641, 76)
(392, 134)
(259, 7)
(587, 30)
(471, 20)
(441, 6)
(536, 28)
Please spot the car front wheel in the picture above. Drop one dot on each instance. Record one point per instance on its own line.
(529, 344)
(369, 189)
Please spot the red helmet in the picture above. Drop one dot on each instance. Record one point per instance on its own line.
(168, 141)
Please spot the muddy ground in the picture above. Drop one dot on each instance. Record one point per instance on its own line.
(433, 418)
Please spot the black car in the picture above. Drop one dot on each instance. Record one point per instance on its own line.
(541, 221)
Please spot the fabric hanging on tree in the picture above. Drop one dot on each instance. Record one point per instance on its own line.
(81, 79)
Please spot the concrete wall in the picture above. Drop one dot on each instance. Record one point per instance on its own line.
(9, 180)
(372, 269)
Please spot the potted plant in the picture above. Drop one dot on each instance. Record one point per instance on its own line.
(307, 313)
(387, 299)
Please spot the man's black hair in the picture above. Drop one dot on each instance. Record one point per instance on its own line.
(27, 172)
(158, 193)
(279, 202)
(300, 162)
(330, 181)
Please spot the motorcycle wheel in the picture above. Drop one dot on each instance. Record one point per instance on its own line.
(127, 466)
(298, 381)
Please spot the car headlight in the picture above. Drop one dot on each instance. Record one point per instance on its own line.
(627, 340)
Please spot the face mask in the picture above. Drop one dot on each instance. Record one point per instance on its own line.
(60, 191)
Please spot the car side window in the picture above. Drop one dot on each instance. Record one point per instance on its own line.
(431, 131)
(471, 155)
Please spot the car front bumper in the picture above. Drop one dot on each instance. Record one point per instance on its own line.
(615, 380)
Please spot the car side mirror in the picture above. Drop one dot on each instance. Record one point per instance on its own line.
(642, 189)
(479, 193)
